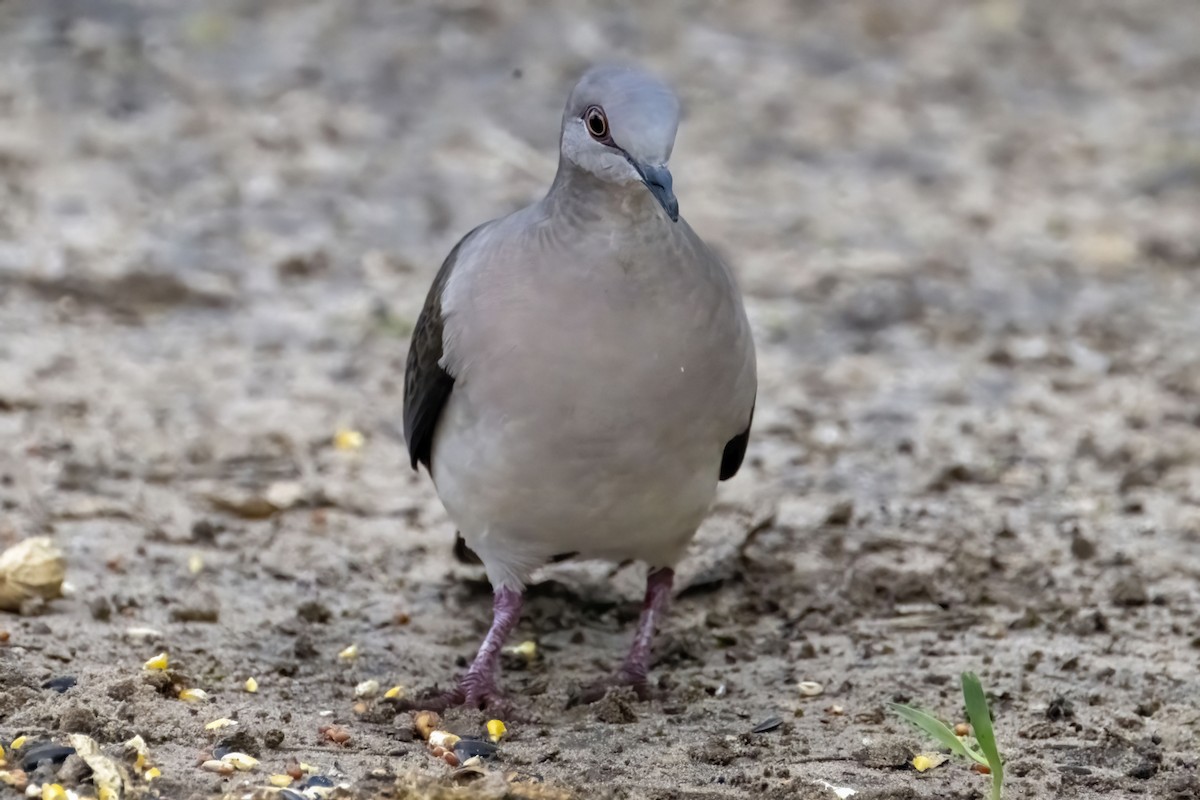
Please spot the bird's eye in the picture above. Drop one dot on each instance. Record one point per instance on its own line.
(597, 123)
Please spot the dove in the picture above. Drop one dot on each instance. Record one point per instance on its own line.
(582, 374)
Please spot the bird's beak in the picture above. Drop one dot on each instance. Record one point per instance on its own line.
(658, 181)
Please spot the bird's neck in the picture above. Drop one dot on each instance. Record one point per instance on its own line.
(580, 196)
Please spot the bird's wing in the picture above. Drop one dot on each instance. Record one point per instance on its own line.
(427, 385)
(735, 450)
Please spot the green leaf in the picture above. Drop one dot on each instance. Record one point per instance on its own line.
(981, 724)
(936, 729)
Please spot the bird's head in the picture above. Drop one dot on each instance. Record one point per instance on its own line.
(619, 125)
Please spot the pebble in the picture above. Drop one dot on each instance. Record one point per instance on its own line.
(810, 688)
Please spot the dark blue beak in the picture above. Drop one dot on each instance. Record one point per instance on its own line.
(658, 181)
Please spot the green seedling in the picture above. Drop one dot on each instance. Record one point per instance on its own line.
(985, 752)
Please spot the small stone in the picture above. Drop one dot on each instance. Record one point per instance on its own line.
(1081, 548)
(841, 513)
(810, 688)
(1130, 591)
(101, 609)
(1060, 708)
(884, 755)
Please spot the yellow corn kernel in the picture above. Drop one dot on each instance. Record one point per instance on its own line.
(152, 773)
(108, 793)
(251, 685)
(527, 649)
(193, 695)
(348, 439)
(349, 654)
(496, 729)
(280, 780)
(217, 724)
(158, 663)
(240, 761)
(394, 693)
(53, 791)
(308, 769)
(922, 763)
(17, 743)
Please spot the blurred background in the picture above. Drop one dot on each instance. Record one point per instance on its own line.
(969, 237)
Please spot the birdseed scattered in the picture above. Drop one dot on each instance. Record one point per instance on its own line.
(157, 664)
(348, 439)
(251, 685)
(240, 761)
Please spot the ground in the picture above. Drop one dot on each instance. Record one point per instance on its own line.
(967, 235)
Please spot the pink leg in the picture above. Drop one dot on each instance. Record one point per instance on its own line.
(478, 687)
(658, 592)
(634, 671)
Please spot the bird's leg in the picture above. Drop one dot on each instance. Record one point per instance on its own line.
(478, 687)
(637, 664)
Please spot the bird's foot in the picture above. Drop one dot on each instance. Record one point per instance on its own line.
(473, 691)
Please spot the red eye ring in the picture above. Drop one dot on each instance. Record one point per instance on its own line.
(596, 122)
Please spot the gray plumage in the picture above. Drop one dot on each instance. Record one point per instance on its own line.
(583, 372)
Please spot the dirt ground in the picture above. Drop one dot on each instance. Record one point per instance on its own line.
(969, 236)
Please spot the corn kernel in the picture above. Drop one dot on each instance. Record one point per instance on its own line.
(217, 724)
(394, 693)
(922, 763)
(367, 689)
(193, 695)
(496, 729)
(240, 761)
(349, 654)
(53, 791)
(108, 793)
(152, 773)
(348, 439)
(280, 780)
(158, 663)
(251, 685)
(527, 649)
(308, 769)
(17, 743)
(195, 563)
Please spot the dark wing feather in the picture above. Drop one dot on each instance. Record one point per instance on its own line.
(735, 451)
(426, 385)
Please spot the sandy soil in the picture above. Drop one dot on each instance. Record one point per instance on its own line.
(968, 236)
